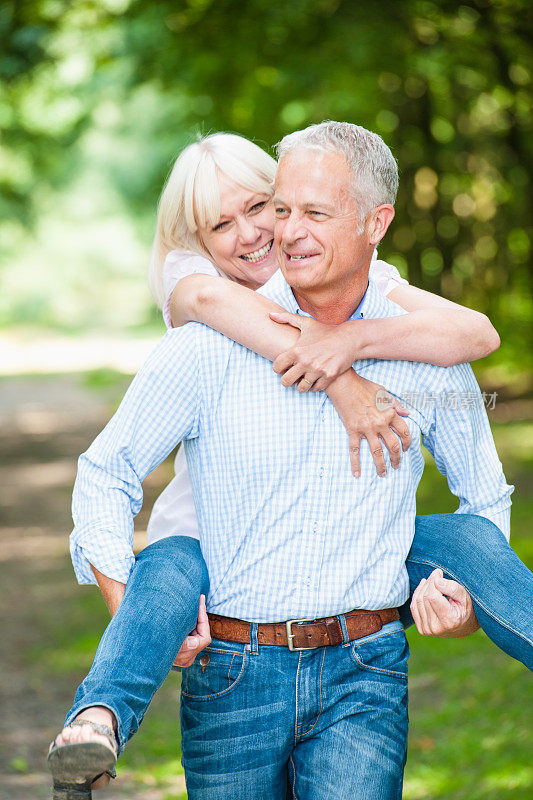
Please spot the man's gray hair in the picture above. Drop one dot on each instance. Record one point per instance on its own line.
(374, 169)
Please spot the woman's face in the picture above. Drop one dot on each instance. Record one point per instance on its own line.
(241, 243)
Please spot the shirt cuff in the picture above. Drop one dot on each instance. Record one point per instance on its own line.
(110, 555)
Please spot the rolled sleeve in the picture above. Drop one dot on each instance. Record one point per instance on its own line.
(111, 555)
(160, 409)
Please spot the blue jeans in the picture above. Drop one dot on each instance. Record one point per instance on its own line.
(160, 607)
(474, 552)
(138, 648)
(265, 723)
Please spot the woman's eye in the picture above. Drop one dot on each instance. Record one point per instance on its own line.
(221, 226)
(258, 206)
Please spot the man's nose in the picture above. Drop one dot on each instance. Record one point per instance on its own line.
(292, 230)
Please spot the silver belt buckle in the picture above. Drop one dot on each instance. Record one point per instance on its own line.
(290, 634)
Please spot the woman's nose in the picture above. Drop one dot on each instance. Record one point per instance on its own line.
(248, 232)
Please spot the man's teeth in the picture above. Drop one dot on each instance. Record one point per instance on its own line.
(257, 255)
(297, 258)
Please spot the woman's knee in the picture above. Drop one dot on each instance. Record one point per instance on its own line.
(445, 538)
(173, 564)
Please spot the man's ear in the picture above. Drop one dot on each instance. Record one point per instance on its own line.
(378, 221)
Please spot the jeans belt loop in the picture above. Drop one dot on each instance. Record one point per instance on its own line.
(254, 647)
(345, 637)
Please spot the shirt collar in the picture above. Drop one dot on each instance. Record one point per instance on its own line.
(373, 304)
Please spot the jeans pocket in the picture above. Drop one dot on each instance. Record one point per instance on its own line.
(385, 652)
(215, 672)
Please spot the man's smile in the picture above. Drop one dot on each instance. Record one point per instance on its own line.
(299, 256)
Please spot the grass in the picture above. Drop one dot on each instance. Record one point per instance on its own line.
(470, 708)
(471, 736)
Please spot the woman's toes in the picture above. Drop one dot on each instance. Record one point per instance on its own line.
(87, 734)
(79, 733)
(71, 735)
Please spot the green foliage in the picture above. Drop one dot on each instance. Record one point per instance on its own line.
(99, 95)
(19, 765)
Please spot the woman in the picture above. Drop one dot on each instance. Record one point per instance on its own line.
(216, 204)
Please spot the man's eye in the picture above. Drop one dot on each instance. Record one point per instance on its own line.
(280, 212)
(316, 213)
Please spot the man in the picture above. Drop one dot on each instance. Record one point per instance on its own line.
(286, 531)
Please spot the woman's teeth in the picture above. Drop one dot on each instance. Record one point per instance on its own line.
(258, 255)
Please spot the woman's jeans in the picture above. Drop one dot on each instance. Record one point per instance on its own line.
(158, 610)
(160, 607)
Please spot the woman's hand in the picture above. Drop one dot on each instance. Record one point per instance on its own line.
(369, 412)
(321, 354)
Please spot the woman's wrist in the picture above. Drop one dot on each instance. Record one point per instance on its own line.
(357, 333)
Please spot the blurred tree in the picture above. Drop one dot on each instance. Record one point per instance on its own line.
(123, 84)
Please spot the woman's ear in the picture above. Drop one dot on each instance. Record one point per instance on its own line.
(378, 222)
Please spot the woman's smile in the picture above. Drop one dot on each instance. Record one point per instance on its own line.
(241, 242)
(260, 255)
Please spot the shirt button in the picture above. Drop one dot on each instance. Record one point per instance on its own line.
(321, 473)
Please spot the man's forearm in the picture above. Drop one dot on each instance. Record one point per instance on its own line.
(113, 591)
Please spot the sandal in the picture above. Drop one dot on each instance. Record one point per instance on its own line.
(76, 766)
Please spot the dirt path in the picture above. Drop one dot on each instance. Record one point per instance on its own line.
(44, 425)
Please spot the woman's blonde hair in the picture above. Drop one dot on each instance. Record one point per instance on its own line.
(191, 197)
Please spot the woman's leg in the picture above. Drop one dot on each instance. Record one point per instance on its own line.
(138, 648)
(474, 552)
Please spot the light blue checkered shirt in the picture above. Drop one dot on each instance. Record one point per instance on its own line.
(285, 529)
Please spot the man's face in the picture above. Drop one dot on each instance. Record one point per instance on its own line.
(317, 238)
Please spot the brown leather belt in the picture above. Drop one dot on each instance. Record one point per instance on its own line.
(303, 634)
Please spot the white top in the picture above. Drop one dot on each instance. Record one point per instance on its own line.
(174, 513)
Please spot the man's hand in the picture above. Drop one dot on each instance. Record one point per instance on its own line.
(199, 638)
(443, 608)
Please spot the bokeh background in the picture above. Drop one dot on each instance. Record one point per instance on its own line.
(96, 99)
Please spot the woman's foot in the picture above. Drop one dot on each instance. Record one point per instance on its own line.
(78, 750)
